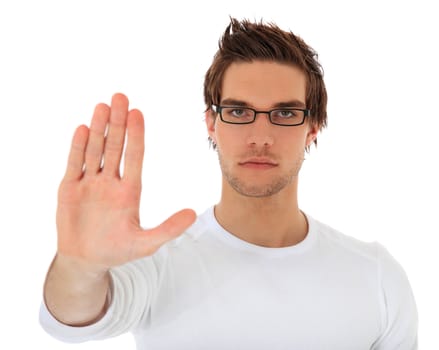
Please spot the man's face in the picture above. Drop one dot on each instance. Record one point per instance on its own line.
(261, 159)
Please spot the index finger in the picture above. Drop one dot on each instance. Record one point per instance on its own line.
(75, 163)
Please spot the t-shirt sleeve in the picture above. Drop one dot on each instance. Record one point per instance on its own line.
(132, 290)
(399, 312)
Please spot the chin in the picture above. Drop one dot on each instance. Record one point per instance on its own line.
(261, 190)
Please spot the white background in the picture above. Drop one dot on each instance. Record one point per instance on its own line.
(374, 175)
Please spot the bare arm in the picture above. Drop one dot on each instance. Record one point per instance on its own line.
(98, 214)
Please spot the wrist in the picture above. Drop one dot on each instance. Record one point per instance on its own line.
(77, 268)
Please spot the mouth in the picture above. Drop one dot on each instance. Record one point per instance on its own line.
(258, 163)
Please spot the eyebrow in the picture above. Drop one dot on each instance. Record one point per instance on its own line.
(283, 104)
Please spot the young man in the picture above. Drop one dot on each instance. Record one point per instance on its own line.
(253, 271)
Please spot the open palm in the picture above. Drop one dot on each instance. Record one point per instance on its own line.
(98, 209)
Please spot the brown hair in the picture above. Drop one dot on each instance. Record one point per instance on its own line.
(247, 41)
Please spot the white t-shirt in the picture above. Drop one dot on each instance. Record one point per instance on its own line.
(210, 290)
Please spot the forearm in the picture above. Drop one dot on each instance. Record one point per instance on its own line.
(75, 293)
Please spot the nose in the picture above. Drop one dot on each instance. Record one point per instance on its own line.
(260, 132)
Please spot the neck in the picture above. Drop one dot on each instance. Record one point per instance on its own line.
(274, 221)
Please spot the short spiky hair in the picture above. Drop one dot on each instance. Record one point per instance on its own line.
(245, 41)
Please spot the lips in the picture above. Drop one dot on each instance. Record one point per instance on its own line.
(258, 163)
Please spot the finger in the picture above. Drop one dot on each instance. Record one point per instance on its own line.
(75, 163)
(135, 147)
(95, 144)
(174, 226)
(114, 141)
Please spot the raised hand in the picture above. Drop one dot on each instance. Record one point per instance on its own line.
(98, 208)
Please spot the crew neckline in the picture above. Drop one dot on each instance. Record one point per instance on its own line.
(225, 236)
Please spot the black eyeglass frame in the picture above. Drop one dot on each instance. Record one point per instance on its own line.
(218, 109)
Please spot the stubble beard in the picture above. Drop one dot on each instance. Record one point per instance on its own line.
(271, 188)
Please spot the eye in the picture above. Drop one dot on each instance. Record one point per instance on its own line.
(240, 113)
(237, 112)
(284, 113)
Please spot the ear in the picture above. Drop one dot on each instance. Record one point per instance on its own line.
(210, 124)
(313, 130)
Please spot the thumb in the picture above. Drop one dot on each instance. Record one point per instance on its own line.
(171, 228)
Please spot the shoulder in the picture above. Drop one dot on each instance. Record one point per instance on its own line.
(341, 243)
(387, 267)
(348, 244)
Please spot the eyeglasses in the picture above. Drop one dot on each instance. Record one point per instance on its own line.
(246, 115)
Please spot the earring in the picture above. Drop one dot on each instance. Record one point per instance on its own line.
(212, 143)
